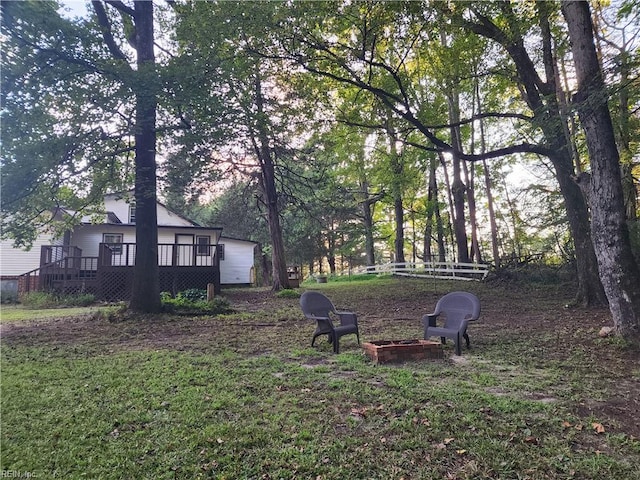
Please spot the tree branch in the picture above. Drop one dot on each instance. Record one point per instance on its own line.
(107, 34)
(121, 6)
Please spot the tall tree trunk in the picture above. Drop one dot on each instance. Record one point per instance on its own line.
(592, 291)
(397, 168)
(492, 215)
(487, 182)
(278, 259)
(331, 250)
(541, 99)
(619, 271)
(429, 214)
(515, 225)
(442, 247)
(476, 254)
(622, 118)
(399, 223)
(145, 295)
(270, 194)
(366, 207)
(367, 221)
(265, 267)
(452, 211)
(458, 188)
(433, 215)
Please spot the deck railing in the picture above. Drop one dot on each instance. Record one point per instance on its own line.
(442, 270)
(52, 253)
(110, 274)
(59, 274)
(169, 255)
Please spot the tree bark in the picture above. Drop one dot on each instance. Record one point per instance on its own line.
(270, 194)
(427, 256)
(366, 206)
(492, 215)
(398, 208)
(476, 254)
(540, 97)
(458, 188)
(618, 268)
(146, 285)
(452, 211)
(331, 248)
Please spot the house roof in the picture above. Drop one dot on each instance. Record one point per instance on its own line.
(132, 226)
(112, 218)
(222, 237)
(130, 195)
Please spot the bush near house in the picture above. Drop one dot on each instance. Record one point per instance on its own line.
(38, 300)
(194, 302)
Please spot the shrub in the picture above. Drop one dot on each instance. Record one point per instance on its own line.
(193, 294)
(78, 300)
(39, 300)
(288, 293)
(182, 304)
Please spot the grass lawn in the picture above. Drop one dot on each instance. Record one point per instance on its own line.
(244, 396)
(16, 313)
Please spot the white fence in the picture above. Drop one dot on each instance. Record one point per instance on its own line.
(444, 270)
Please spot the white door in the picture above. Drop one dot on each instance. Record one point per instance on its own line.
(185, 254)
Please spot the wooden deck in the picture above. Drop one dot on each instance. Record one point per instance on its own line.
(109, 276)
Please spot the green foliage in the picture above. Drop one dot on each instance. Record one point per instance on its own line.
(62, 141)
(193, 294)
(20, 313)
(194, 301)
(358, 278)
(288, 293)
(40, 300)
(78, 300)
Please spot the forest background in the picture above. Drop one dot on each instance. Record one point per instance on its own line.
(336, 134)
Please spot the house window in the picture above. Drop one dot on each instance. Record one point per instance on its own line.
(202, 245)
(220, 251)
(114, 240)
(132, 213)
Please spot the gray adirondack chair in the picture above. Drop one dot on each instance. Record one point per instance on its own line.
(458, 308)
(316, 306)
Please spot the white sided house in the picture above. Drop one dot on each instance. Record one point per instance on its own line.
(236, 261)
(99, 257)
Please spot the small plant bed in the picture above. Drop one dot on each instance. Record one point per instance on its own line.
(194, 302)
(41, 300)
